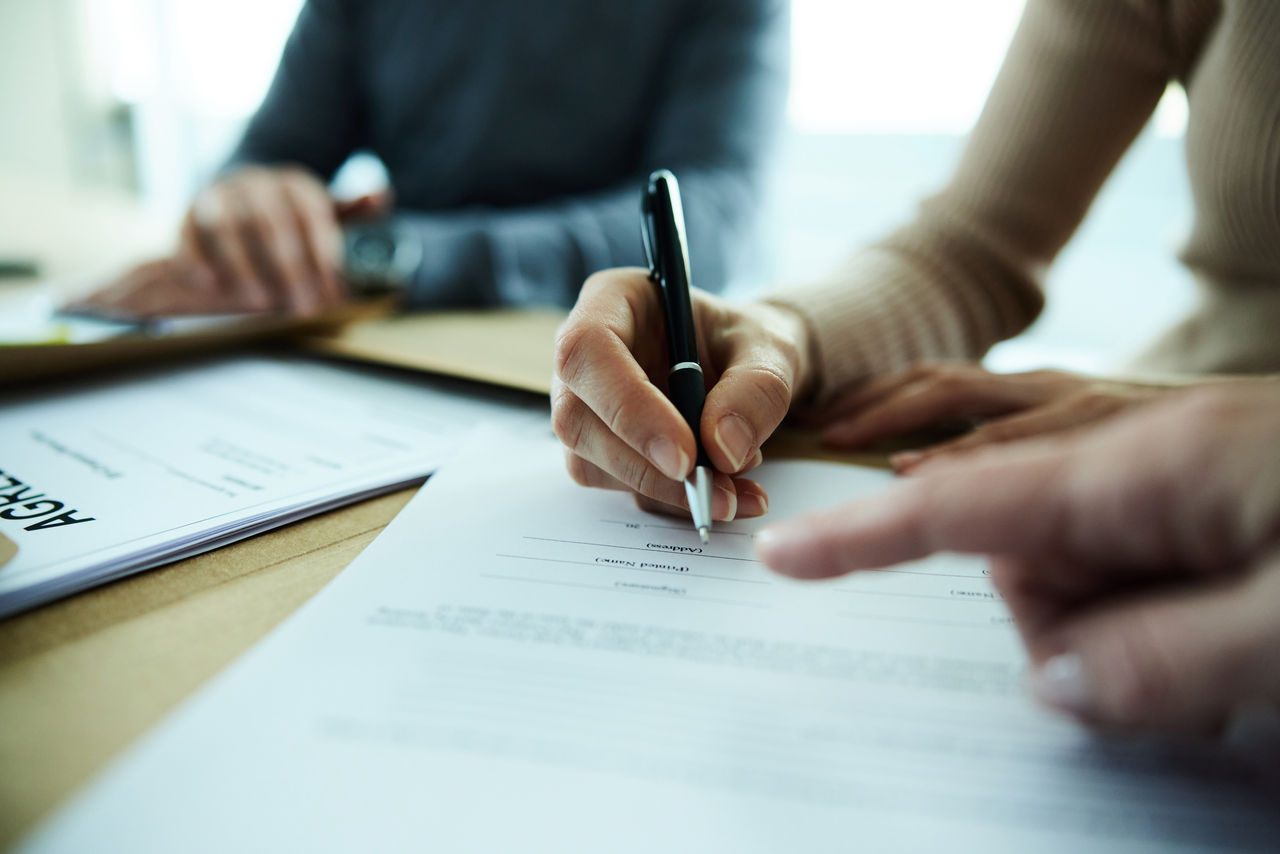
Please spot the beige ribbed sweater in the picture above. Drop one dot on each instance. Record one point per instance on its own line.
(1080, 80)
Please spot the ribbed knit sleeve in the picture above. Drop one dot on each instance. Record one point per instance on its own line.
(1080, 80)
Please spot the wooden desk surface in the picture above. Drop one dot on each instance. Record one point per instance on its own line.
(81, 678)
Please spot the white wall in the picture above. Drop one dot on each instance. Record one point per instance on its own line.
(35, 128)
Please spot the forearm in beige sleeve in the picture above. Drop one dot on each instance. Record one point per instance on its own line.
(1080, 80)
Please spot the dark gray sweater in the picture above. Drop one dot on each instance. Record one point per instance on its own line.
(517, 133)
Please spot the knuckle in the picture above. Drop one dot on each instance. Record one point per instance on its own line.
(569, 418)
(297, 176)
(617, 279)
(308, 198)
(598, 280)
(626, 411)
(643, 478)
(578, 468)
(211, 212)
(221, 193)
(652, 482)
(576, 345)
(287, 250)
(315, 214)
(257, 219)
(789, 351)
(235, 205)
(227, 228)
(769, 387)
(632, 473)
(1138, 682)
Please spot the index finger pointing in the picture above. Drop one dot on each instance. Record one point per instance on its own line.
(1005, 505)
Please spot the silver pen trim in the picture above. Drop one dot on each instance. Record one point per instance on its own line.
(697, 489)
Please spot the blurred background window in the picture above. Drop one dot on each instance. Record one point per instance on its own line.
(146, 98)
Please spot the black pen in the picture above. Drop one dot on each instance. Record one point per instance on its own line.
(667, 248)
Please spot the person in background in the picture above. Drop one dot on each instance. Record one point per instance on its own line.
(515, 135)
(1140, 557)
(1080, 80)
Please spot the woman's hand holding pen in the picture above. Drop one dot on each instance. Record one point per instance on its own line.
(620, 430)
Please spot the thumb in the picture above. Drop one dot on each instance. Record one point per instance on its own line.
(1179, 661)
(752, 395)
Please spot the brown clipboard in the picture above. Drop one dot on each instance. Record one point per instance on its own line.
(513, 348)
(30, 362)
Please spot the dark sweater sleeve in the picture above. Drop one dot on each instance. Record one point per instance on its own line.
(718, 108)
(311, 115)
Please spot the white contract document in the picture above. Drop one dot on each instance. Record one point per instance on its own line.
(521, 664)
(118, 475)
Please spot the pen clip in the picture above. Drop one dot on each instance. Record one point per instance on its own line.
(647, 234)
(662, 228)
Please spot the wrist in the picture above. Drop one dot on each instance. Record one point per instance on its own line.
(379, 256)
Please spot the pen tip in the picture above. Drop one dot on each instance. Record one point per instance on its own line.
(702, 535)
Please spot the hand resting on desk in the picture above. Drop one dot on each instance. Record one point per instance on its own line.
(261, 239)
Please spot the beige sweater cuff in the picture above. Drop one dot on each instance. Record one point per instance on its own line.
(876, 314)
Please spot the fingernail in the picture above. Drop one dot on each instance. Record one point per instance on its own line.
(735, 440)
(669, 459)
(773, 538)
(750, 504)
(755, 461)
(905, 460)
(773, 542)
(1063, 683)
(724, 505)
